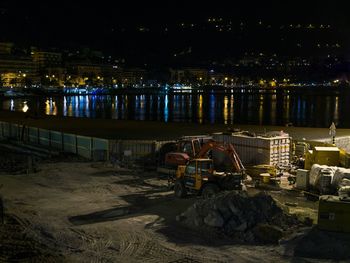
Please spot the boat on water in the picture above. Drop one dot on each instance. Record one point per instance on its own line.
(178, 88)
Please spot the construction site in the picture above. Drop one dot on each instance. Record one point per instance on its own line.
(233, 195)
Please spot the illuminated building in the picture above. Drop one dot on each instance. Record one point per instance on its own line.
(43, 59)
(16, 71)
(6, 48)
(188, 75)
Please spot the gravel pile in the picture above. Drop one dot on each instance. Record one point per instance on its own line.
(245, 219)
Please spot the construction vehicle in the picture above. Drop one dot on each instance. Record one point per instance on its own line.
(225, 158)
(199, 177)
(191, 166)
(176, 153)
(180, 153)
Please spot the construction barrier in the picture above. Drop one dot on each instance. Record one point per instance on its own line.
(84, 147)
(44, 137)
(56, 140)
(69, 143)
(92, 148)
(87, 147)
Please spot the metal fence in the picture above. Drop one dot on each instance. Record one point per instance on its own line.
(88, 147)
(135, 149)
(93, 148)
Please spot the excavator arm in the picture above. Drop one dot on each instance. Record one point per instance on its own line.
(227, 149)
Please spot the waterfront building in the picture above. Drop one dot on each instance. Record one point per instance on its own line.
(17, 71)
(6, 48)
(189, 75)
(44, 59)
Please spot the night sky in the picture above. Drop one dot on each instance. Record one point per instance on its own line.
(112, 26)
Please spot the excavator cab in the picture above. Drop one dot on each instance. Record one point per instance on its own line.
(185, 150)
(195, 171)
(190, 147)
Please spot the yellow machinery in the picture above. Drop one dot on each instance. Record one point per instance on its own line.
(259, 173)
(334, 213)
(199, 177)
(323, 156)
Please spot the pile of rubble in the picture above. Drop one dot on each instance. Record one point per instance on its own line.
(255, 219)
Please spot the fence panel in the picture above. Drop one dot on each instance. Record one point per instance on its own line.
(14, 130)
(44, 137)
(100, 149)
(56, 140)
(2, 129)
(69, 143)
(137, 148)
(84, 146)
(33, 134)
(6, 129)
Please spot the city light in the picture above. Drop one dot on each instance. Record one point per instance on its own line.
(25, 107)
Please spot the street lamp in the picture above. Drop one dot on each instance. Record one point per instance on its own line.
(332, 132)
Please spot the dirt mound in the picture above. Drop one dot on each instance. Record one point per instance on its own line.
(255, 219)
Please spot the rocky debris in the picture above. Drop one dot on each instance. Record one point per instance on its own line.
(255, 219)
(318, 244)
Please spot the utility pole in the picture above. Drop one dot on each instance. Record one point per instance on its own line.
(332, 131)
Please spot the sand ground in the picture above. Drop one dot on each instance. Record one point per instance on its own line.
(150, 130)
(92, 212)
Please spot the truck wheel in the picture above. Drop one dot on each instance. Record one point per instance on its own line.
(210, 190)
(179, 189)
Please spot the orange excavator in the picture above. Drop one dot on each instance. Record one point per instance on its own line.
(182, 151)
(225, 163)
(214, 167)
(229, 159)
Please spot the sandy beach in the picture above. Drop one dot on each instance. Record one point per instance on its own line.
(151, 130)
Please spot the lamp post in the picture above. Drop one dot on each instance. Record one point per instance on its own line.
(332, 132)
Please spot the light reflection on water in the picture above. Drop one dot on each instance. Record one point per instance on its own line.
(200, 109)
(166, 110)
(261, 109)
